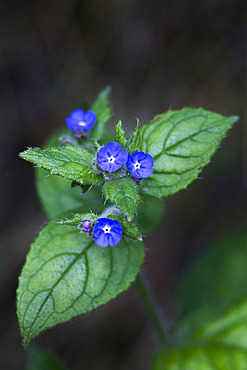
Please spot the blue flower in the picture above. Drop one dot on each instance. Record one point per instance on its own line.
(140, 165)
(80, 121)
(112, 157)
(107, 232)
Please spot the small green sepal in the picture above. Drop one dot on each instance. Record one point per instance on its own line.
(120, 136)
(130, 229)
(135, 141)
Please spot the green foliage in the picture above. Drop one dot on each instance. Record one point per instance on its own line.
(226, 326)
(209, 340)
(201, 357)
(57, 196)
(66, 275)
(70, 162)
(120, 135)
(102, 108)
(123, 192)
(210, 337)
(40, 359)
(181, 144)
(135, 140)
(219, 274)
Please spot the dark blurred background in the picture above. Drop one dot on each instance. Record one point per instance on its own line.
(56, 55)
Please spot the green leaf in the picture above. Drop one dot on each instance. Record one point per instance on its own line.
(70, 162)
(201, 357)
(40, 359)
(120, 135)
(181, 144)
(135, 141)
(219, 274)
(130, 230)
(222, 329)
(227, 326)
(209, 340)
(102, 108)
(149, 214)
(57, 196)
(66, 275)
(123, 192)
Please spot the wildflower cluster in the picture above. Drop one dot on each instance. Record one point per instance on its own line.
(110, 158)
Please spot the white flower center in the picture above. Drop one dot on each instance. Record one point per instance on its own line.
(111, 159)
(107, 229)
(137, 165)
(82, 123)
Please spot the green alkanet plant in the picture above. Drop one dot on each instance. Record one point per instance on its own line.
(92, 249)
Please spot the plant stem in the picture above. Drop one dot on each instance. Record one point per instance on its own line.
(150, 307)
(112, 210)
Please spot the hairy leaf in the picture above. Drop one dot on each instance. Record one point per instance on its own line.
(70, 162)
(101, 107)
(120, 135)
(135, 140)
(123, 192)
(66, 275)
(181, 144)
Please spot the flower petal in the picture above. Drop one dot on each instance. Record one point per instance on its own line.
(113, 148)
(147, 162)
(114, 239)
(101, 240)
(77, 114)
(90, 119)
(121, 158)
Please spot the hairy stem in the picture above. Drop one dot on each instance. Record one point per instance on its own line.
(150, 307)
(112, 210)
